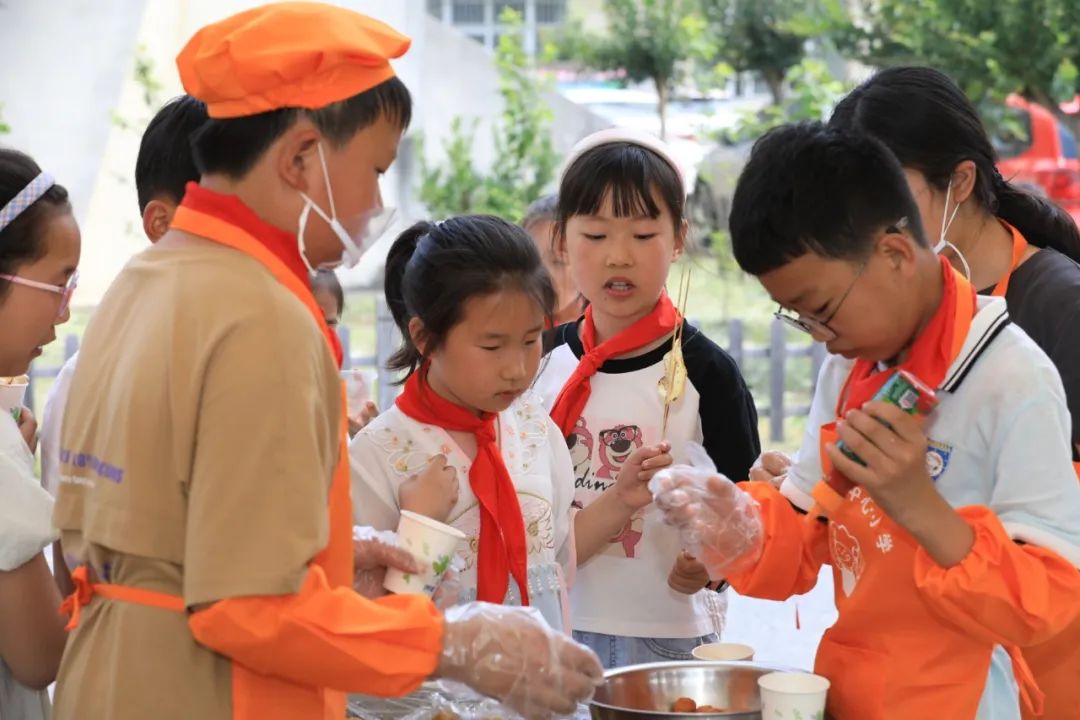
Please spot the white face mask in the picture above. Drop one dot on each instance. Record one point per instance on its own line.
(946, 223)
(372, 224)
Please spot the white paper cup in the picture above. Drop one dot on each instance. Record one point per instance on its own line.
(433, 544)
(793, 696)
(13, 392)
(723, 651)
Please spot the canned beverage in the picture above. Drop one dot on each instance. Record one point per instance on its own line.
(906, 392)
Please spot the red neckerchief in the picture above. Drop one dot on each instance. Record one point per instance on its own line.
(570, 403)
(503, 551)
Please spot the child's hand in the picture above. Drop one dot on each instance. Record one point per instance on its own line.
(688, 575)
(771, 467)
(360, 420)
(28, 428)
(432, 492)
(718, 523)
(371, 560)
(897, 479)
(895, 474)
(632, 483)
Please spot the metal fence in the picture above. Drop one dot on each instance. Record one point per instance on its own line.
(777, 353)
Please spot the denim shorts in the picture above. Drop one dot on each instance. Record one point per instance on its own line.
(617, 650)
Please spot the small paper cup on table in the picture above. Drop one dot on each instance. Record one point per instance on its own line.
(723, 651)
(793, 696)
(433, 544)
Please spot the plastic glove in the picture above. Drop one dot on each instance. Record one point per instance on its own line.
(509, 653)
(373, 552)
(771, 467)
(357, 422)
(361, 410)
(718, 523)
(450, 588)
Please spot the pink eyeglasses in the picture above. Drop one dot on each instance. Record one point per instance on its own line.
(64, 291)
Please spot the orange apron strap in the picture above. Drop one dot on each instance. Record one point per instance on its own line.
(826, 499)
(1076, 467)
(1020, 246)
(85, 591)
(1031, 696)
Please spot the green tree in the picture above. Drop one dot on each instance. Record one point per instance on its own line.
(1031, 47)
(650, 40)
(4, 127)
(763, 36)
(525, 160)
(814, 93)
(150, 88)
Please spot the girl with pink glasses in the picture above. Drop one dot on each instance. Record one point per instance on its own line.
(39, 252)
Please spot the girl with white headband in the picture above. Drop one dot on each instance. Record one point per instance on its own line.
(621, 222)
(39, 251)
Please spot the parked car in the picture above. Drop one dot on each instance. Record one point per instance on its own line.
(1039, 150)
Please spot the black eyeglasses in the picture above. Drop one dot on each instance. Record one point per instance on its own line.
(820, 328)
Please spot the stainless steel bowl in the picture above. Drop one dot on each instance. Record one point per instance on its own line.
(647, 692)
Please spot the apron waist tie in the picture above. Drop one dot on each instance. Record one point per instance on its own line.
(85, 591)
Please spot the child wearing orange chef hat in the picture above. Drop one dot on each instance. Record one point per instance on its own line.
(204, 482)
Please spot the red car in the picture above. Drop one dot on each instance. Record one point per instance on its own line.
(1043, 154)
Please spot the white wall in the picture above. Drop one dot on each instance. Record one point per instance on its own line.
(63, 64)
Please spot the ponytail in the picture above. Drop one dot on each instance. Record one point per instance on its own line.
(1041, 222)
(408, 356)
(931, 126)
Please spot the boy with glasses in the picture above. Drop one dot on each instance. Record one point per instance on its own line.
(958, 540)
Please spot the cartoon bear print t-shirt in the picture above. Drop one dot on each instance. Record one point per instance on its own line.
(625, 412)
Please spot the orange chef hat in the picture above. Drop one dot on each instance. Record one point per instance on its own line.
(289, 54)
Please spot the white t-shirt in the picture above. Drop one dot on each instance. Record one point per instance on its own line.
(624, 412)
(1000, 437)
(52, 421)
(394, 447)
(25, 508)
(25, 530)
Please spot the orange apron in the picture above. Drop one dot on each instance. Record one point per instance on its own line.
(256, 696)
(1056, 662)
(872, 558)
(867, 546)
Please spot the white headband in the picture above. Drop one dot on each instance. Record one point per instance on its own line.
(26, 197)
(630, 136)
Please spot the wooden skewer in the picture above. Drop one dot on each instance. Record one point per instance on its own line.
(676, 344)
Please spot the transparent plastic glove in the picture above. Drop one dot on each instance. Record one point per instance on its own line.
(719, 524)
(771, 467)
(373, 552)
(450, 589)
(357, 422)
(509, 653)
(361, 409)
(357, 389)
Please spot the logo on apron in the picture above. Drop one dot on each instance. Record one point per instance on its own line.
(937, 458)
(846, 556)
